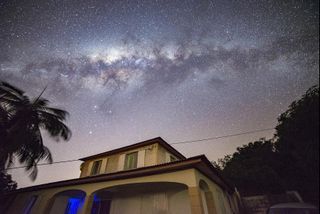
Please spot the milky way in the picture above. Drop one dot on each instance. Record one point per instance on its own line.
(132, 70)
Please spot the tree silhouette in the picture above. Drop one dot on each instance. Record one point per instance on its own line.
(21, 122)
(297, 142)
(251, 169)
(6, 183)
(290, 161)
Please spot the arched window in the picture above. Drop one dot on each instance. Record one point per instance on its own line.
(157, 197)
(204, 190)
(67, 202)
(28, 207)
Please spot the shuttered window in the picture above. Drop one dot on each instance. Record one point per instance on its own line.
(131, 161)
(96, 167)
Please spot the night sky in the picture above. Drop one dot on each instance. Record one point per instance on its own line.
(130, 70)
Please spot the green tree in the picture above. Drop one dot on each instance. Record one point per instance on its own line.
(21, 123)
(251, 169)
(297, 143)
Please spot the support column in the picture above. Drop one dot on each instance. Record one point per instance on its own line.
(44, 204)
(210, 203)
(195, 200)
(87, 205)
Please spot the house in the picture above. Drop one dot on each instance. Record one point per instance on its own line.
(147, 177)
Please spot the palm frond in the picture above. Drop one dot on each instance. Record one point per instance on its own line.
(40, 102)
(8, 87)
(20, 124)
(46, 155)
(61, 114)
(54, 126)
(33, 172)
(10, 161)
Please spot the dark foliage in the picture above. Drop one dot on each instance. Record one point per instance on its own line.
(288, 162)
(297, 142)
(6, 183)
(21, 122)
(251, 169)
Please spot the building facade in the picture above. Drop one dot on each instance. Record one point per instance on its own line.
(147, 177)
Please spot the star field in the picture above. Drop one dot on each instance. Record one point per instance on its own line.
(130, 70)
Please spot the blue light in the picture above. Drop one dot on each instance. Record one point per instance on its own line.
(73, 205)
(96, 197)
(96, 204)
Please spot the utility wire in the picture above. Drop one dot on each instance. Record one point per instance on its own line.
(181, 142)
(224, 136)
(43, 164)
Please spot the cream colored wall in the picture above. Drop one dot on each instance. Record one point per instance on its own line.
(83, 169)
(114, 163)
(189, 177)
(179, 202)
(163, 155)
(186, 177)
(150, 156)
(111, 164)
(59, 205)
(147, 156)
(167, 201)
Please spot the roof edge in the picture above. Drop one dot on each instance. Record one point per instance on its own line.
(227, 184)
(194, 162)
(132, 146)
(151, 170)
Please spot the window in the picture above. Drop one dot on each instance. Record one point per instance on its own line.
(30, 204)
(96, 167)
(205, 192)
(101, 205)
(172, 158)
(73, 205)
(204, 201)
(221, 201)
(131, 161)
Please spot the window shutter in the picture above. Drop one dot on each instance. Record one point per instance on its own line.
(89, 168)
(121, 162)
(103, 168)
(141, 156)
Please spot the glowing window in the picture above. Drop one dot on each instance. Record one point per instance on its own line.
(73, 205)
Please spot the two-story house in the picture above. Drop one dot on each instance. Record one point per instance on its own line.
(147, 177)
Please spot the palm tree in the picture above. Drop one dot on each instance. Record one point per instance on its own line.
(21, 123)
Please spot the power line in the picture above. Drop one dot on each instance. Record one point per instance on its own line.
(43, 164)
(181, 142)
(224, 136)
